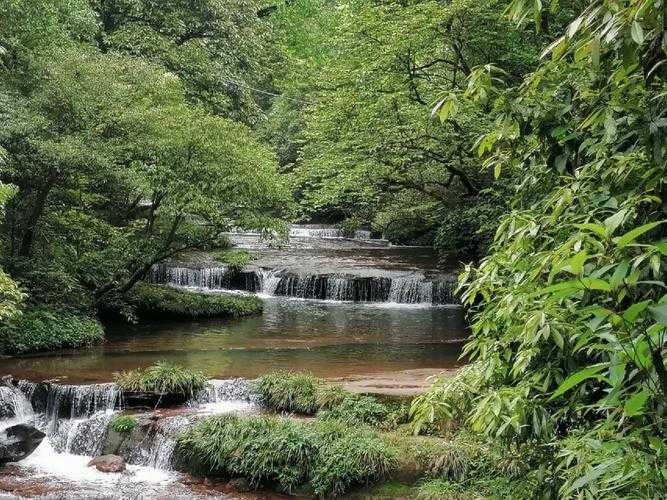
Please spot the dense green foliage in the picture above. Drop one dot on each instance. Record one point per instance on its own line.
(155, 301)
(330, 457)
(163, 378)
(569, 307)
(353, 128)
(120, 141)
(123, 424)
(43, 329)
(235, 259)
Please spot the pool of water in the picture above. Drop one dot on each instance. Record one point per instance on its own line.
(330, 339)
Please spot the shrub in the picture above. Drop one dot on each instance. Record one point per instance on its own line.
(355, 410)
(163, 377)
(290, 391)
(160, 301)
(329, 456)
(44, 329)
(234, 259)
(123, 424)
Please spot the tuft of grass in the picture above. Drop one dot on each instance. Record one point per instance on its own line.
(123, 424)
(329, 457)
(290, 391)
(161, 301)
(234, 258)
(162, 378)
(46, 329)
(355, 410)
(349, 456)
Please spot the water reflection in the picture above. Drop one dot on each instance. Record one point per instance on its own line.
(329, 339)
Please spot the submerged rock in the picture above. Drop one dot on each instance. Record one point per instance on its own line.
(19, 441)
(108, 463)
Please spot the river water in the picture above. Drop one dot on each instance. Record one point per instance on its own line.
(333, 306)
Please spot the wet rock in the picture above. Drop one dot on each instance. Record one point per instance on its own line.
(108, 463)
(152, 400)
(239, 485)
(18, 441)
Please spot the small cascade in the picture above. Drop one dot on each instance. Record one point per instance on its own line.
(412, 289)
(157, 449)
(214, 278)
(15, 405)
(269, 280)
(216, 391)
(79, 401)
(304, 231)
(80, 436)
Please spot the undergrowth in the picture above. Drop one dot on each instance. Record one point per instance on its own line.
(162, 301)
(45, 329)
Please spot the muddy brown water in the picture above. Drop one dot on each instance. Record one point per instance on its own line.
(326, 338)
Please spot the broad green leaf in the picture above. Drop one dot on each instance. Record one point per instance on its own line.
(619, 275)
(635, 404)
(577, 378)
(575, 264)
(659, 312)
(612, 223)
(632, 312)
(596, 228)
(631, 236)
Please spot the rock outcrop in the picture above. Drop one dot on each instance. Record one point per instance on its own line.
(18, 441)
(108, 463)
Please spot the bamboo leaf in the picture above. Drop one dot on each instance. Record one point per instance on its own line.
(631, 236)
(577, 378)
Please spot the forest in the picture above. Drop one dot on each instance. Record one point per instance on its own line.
(525, 140)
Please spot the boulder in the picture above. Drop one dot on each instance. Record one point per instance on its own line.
(108, 463)
(18, 441)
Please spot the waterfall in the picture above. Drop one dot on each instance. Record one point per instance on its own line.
(79, 401)
(413, 289)
(326, 232)
(269, 280)
(14, 406)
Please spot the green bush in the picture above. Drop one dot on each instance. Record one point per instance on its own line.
(161, 301)
(355, 410)
(123, 424)
(290, 391)
(330, 457)
(163, 378)
(235, 259)
(44, 329)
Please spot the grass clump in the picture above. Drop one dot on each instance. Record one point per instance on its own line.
(123, 424)
(161, 301)
(162, 378)
(45, 329)
(355, 410)
(291, 391)
(327, 457)
(234, 258)
(306, 394)
(348, 457)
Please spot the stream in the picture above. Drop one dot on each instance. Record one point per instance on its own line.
(337, 307)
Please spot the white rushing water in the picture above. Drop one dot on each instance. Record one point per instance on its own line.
(76, 420)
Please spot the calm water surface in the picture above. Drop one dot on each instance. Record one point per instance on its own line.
(328, 339)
